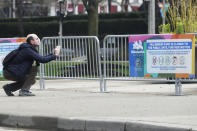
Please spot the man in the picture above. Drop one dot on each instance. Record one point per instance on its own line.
(20, 69)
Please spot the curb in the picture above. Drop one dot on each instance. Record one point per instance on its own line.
(61, 124)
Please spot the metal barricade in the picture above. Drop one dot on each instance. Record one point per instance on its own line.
(79, 58)
(115, 54)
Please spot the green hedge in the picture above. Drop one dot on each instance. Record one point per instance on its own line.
(114, 23)
(42, 29)
(123, 26)
(120, 15)
(75, 27)
(78, 17)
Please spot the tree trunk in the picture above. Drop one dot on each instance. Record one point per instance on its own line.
(93, 31)
(126, 5)
(93, 21)
(92, 9)
(109, 6)
(20, 18)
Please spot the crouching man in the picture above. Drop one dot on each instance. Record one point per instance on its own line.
(20, 69)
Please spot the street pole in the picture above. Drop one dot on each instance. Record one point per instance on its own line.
(61, 15)
(60, 19)
(151, 17)
(164, 15)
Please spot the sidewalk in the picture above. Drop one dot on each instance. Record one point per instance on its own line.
(78, 105)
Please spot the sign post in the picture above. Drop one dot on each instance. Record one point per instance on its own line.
(178, 87)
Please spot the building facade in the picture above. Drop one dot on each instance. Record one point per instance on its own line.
(34, 8)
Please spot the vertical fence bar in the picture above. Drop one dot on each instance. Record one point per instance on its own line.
(66, 58)
(63, 59)
(125, 62)
(114, 55)
(118, 45)
(77, 58)
(122, 55)
(105, 66)
(93, 54)
(81, 57)
(110, 49)
(84, 72)
(89, 59)
(97, 57)
(86, 47)
(42, 85)
(99, 64)
(50, 63)
(55, 64)
(70, 57)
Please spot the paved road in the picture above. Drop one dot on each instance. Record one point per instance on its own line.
(127, 101)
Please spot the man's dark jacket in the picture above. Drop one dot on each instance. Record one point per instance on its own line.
(22, 63)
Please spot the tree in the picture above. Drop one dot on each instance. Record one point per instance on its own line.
(182, 16)
(92, 9)
(19, 10)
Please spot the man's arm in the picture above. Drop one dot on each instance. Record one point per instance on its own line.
(42, 59)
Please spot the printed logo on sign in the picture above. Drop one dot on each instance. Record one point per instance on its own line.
(138, 45)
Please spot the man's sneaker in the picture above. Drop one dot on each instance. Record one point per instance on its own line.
(7, 90)
(25, 93)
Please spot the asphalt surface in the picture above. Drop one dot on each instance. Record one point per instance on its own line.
(76, 101)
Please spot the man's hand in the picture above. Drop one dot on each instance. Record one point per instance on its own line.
(57, 50)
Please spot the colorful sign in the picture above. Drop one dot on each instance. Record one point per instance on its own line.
(162, 55)
(6, 46)
(136, 58)
(169, 56)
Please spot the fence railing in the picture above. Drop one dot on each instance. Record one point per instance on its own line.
(115, 54)
(116, 60)
(82, 58)
(79, 58)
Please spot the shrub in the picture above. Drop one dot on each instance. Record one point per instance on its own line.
(115, 23)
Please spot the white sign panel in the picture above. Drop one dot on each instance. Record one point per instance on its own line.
(169, 56)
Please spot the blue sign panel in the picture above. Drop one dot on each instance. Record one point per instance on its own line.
(136, 59)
